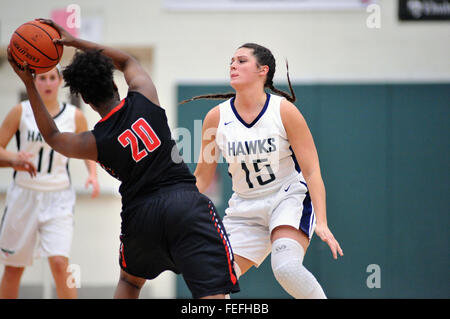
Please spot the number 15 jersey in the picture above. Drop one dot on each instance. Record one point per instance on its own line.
(259, 155)
(52, 167)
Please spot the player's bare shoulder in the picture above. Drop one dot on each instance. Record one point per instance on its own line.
(12, 120)
(16, 111)
(289, 113)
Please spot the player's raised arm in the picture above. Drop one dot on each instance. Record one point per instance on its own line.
(136, 77)
(81, 145)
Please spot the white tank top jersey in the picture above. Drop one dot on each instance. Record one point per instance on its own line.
(52, 167)
(259, 156)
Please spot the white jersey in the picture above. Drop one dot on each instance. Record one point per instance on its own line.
(259, 155)
(52, 167)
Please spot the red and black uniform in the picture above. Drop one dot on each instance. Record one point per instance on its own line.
(167, 224)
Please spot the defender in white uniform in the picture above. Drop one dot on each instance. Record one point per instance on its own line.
(269, 188)
(262, 136)
(38, 216)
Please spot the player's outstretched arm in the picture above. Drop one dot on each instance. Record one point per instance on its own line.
(82, 145)
(136, 77)
(305, 151)
(18, 161)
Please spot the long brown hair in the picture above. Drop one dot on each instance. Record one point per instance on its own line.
(263, 57)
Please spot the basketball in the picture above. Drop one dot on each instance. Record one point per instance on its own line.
(32, 42)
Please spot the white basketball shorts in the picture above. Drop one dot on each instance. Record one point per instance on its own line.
(35, 224)
(249, 222)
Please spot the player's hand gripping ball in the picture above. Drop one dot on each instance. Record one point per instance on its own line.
(33, 43)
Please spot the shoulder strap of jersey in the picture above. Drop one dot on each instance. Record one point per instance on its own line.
(26, 106)
(225, 111)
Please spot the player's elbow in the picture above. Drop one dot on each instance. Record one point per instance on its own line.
(311, 174)
(124, 62)
(56, 141)
(51, 138)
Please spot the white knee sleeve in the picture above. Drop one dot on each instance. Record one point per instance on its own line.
(287, 259)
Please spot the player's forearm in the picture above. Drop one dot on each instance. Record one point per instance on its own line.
(120, 58)
(204, 176)
(91, 167)
(5, 163)
(44, 121)
(317, 192)
(6, 158)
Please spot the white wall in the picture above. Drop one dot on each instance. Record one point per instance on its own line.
(197, 46)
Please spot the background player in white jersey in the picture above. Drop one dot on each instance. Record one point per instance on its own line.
(262, 136)
(40, 208)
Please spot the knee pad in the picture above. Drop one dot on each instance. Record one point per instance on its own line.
(286, 260)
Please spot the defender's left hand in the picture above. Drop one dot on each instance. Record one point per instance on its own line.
(327, 236)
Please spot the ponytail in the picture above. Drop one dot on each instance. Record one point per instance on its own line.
(263, 57)
(222, 96)
(291, 98)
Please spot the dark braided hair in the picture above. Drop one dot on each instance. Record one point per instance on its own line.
(91, 75)
(263, 57)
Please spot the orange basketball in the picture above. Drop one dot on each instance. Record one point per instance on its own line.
(32, 42)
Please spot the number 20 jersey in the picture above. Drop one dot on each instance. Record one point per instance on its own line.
(52, 167)
(259, 156)
(135, 145)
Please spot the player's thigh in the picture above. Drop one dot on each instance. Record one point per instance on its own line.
(286, 231)
(250, 240)
(243, 263)
(201, 249)
(293, 216)
(18, 227)
(56, 224)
